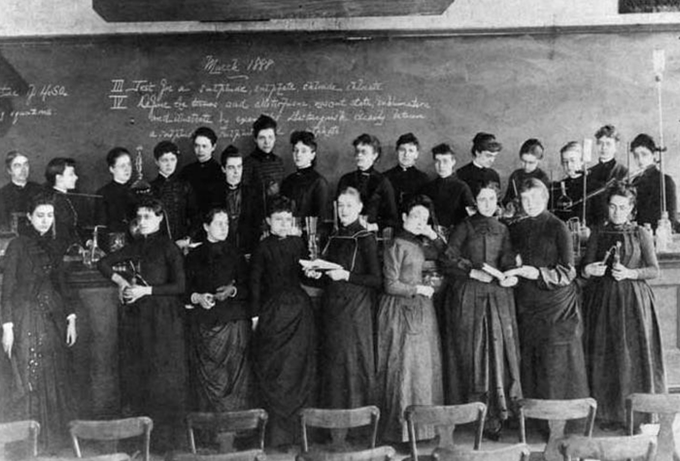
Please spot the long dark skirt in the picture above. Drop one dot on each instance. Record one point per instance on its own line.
(409, 362)
(550, 331)
(220, 366)
(347, 352)
(41, 377)
(623, 344)
(285, 362)
(153, 367)
(483, 346)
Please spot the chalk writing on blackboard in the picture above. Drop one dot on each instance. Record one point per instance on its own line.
(34, 101)
(230, 93)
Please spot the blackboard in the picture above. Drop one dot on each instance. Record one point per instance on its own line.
(81, 96)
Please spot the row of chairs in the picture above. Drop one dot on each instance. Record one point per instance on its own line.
(443, 418)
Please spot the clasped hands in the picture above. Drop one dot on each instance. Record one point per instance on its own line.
(509, 281)
(208, 300)
(619, 271)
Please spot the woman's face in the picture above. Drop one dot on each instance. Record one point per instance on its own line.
(643, 157)
(148, 221)
(487, 202)
(606, 148)
(534, 201)
(19, 169)
(443, 165)
(572, 163)
(280, 223)
(485, 158)
(407, 154)
(42, 218)
(203, 148)
(416, 219)
(218, 229)
(620, 209)
(349, 207)
(122, 169)
(303, 155)
(265, 140)
(365, 156)
(167, 163)
(529, 162)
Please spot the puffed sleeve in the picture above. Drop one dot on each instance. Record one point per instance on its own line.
(176, 281)
(105, 265)
(321, 200)
(507, 260)
(10, 281)
(393, 259)
(257, 266)
(452, 260)
(650, 268)
(563, 272)
(368, 246)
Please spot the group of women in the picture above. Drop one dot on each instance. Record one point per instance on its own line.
(510, 321)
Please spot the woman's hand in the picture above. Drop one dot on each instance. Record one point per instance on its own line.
(425, 290)
(430, 233)
(71, 334)
(338, 274)
(312, 274)
(255, 320)
(621, 272)
(226, 291)
(509, 282)
(526, 272)
(596, 269)
(480, 275)
(205, 300)
(8, 339)
(122, 285)
(132, 294)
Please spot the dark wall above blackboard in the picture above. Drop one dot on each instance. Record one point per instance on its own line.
(80, 97)
(239, 10)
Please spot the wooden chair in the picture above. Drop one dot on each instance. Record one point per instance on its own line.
(115, 429)
(226, 425)
(246, 455)
(444, 418)
(384, 453)
(17, 431)
(666, 406)
(557, 413)
(519, 452)
(339, 422)
(608, 448)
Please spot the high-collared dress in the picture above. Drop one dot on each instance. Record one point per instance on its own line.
(348, 310)
(482, 342)
(623, 344)
(451, 197)
(409, 348)
(377, 195)
(406, 182)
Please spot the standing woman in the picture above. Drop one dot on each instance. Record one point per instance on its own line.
(348, 307)
(409, 349)
(285, 338)
(548, 310)
(38, 324)
(483, 345)
(151, 327)
(623, 344)
(217, 290)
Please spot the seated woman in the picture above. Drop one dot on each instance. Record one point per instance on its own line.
(285, 338)
(409, 349)
(38, 324)
(481, 326)
(648, 185)
(623, 344)
(153, 364)
(219, 336)
(548, 305)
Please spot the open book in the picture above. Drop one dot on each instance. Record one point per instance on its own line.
(319, 265)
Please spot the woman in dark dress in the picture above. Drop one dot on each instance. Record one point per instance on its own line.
(217, 290)
(481, 326)
(409, 348)
(285, 338)
(306, 187)
(348, 308)
(623, 344)
(153, 361)
(39, 323)
(548, 310)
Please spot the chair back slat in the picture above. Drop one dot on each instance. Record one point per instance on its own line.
(116, 429)
(655, 403)
(519, 452)
(557, 409)
(609, 448)
(340, 419)
(667, 407)
(226, 425)
(383, 453)
(246, 455)
(20, 430)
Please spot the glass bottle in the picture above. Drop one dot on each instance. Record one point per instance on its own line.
(564, 202)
